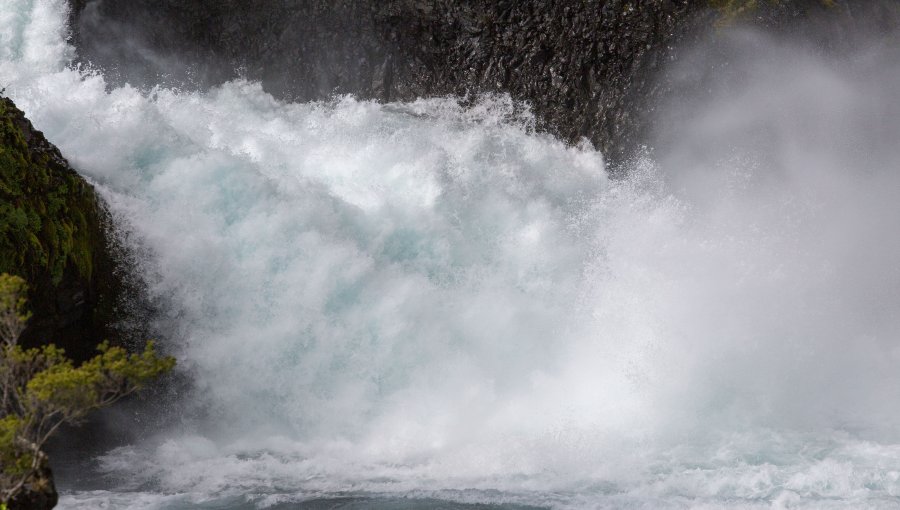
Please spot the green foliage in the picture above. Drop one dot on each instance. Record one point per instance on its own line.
(74, 391)
(43, 227)
(730, 10)
(42, 389)
(13, 314)
(16, 461)
(733, 10)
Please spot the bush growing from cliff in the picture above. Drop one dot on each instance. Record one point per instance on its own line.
(41, 389)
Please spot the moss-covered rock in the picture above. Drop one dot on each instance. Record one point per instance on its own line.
(53, 234)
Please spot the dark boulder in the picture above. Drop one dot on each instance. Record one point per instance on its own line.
(39, 494)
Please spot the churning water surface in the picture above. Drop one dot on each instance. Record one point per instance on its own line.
(425, 304)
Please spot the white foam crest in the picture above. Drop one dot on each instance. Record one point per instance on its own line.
(424, 297)
(32, 40)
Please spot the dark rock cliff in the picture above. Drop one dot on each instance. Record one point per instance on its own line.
(53, 234)
(588, 68)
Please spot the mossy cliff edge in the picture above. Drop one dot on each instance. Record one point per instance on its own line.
(53, 234)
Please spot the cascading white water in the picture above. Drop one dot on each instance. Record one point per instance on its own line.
(423, 299)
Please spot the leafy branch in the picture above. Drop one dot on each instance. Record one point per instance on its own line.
(41, 389)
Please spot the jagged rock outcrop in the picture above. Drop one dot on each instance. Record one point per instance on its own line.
(53, 234)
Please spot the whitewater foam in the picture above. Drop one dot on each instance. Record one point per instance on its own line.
(430, 300)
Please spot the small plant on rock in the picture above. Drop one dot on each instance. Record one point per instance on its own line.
(41, 389)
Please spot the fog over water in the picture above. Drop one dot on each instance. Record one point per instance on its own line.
(429, 300)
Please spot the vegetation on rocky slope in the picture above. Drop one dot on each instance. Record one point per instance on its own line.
(52, 233)
(42, 389)
(731, 11)
(42, 214)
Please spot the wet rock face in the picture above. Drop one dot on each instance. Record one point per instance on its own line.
(589, 68)
(53, 234)
(300, 50)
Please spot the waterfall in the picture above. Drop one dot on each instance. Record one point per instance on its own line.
(427, 299)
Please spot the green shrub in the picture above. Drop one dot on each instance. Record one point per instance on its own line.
(41, 389)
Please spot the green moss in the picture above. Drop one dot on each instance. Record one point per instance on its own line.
(44, 229)
(733, 10)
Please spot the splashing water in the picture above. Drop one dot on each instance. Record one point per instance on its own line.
(422, 300)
